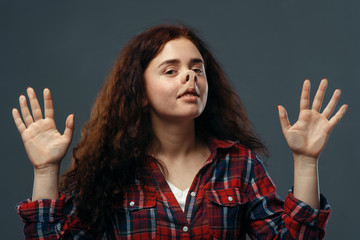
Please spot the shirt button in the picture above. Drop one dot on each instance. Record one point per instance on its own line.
(185, 229)
(132, 203)
(193, 194)
(230, 199)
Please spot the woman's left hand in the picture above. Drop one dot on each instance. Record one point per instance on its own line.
(308, 136)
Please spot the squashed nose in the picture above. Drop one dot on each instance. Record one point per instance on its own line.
(190, 75)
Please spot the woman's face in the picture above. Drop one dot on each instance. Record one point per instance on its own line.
(175, 82)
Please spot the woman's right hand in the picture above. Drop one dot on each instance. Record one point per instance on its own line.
(44, 145)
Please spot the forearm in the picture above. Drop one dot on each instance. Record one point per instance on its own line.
(46, 183)
(306, 180)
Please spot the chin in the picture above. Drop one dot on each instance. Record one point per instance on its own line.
(193, 115)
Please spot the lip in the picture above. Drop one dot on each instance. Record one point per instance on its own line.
(189, 98)
(189, 93)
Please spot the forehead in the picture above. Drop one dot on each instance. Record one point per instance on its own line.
(180, 48)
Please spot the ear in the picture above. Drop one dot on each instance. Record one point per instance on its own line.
(144, 102)
(145, 105)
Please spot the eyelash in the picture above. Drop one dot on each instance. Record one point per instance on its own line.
(170, 72)
(196, 70)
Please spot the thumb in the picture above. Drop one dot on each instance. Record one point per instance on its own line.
(284, 121)
(69, 130)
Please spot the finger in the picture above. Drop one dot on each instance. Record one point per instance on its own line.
(337, 117)
(305, 94)
(69, 130)
(18, 121)
(34, 103)
(25, 111)
(284, 121)
(319, 95)
(331, 105)
(48, 104)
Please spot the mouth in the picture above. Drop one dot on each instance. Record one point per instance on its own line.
(190, 92)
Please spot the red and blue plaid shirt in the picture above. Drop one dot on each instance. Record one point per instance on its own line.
(231, 196)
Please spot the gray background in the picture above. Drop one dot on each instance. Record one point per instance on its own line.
(267, 48)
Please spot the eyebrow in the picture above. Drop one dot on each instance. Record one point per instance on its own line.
(172, 61)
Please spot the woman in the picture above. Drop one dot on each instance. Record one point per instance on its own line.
(168, 152)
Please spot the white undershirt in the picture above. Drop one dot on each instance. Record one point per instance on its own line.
(179, 195)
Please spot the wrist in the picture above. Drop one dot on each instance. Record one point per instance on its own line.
(305, 166)
(46, 171)
(305, 161)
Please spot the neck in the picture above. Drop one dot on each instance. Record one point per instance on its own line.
(175, 139)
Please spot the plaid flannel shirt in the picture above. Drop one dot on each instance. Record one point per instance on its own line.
(231, 196)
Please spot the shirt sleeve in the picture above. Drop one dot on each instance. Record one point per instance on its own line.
(272, 218)
(49, 219)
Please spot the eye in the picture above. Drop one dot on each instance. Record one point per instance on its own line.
(170, 72)
(197, 70)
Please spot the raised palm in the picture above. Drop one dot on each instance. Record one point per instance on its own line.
(308, 136)
(44, 144)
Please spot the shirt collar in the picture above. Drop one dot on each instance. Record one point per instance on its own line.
(215, 144)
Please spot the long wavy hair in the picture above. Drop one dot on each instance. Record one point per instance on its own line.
(115, 140)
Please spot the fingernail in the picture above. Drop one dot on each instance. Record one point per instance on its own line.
(46, 91)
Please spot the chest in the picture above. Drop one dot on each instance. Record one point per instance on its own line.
(210, 212)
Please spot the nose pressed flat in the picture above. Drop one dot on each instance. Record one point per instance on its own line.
(188, 77)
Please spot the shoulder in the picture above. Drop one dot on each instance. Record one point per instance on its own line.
(235, 149)
(246, 162)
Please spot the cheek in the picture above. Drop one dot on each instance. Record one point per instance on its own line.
(204, 88)
(152, 91)
(205, 96)
(160, 94)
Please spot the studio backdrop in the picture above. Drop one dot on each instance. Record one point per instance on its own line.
(267, 48)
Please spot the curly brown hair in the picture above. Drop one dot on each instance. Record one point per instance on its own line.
(115, 140)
